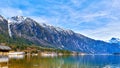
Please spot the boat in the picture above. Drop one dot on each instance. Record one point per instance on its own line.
(16, 53)
(16, 56)
(49, 54)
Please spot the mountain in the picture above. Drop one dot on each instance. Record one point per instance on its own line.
(114, 40)
(3, 25)
(3, 30)
(49, 36)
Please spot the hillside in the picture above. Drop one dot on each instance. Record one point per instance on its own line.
(25, 31)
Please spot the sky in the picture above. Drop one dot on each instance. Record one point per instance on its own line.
(97, 19)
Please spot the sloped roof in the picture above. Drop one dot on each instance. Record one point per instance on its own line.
(4, 47)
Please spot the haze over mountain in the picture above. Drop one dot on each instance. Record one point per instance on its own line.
(49, 36)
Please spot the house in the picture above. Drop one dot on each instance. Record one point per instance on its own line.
(4, 50)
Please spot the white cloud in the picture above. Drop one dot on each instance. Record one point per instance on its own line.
(39, 19)
(66, 16)
(9, 12)
(74, 18)
(78, 2)
(111, 27)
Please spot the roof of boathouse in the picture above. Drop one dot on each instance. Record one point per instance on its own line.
(4, 47)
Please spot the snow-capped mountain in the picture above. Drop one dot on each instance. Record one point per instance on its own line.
(23, 20)
(115, 40)
(16, 19)
(50, 36)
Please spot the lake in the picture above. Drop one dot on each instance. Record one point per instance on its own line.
(86, 61)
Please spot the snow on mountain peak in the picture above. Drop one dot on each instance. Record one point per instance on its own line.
(1, 18)
(114, 40)
(20, 19)
(16, 19)
(56, 28)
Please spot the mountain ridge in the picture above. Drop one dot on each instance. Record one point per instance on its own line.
(51, 36)
(114, 40)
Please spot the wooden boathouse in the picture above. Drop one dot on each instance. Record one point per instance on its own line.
(4, 50)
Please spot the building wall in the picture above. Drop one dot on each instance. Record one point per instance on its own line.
(4, 53)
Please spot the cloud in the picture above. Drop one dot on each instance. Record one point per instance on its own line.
(98, 19)
(104, 33)
(77, 3)
(9, 12)
(105, 20)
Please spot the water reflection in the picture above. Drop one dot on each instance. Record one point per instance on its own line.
(4, 61)
(97, 61)
(112, 66)
(87, 61)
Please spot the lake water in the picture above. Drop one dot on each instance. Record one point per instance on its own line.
(87, 61)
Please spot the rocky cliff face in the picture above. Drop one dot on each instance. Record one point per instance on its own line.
(3, 25)
(50, 36)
